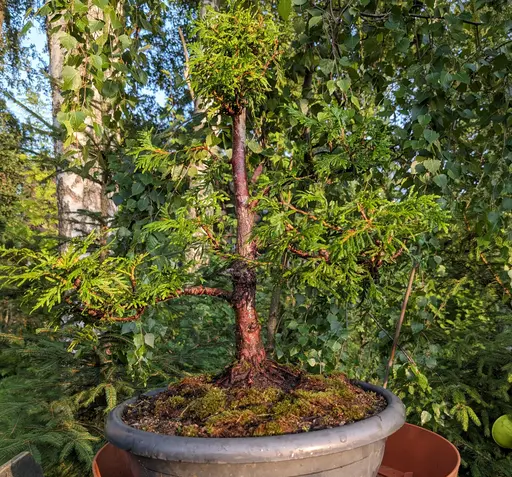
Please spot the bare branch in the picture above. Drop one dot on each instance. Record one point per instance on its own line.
(321, 255)
(313, 217)
(199, 291)
(186, 69)
(399, 324)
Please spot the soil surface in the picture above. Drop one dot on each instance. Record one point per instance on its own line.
(203, 407)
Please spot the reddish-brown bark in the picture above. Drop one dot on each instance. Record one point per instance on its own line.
(250, 347)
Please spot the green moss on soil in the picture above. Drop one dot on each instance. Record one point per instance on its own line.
(197, 407)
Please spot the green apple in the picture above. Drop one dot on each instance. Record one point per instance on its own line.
(502, 431)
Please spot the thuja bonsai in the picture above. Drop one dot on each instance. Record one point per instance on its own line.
(297, 200)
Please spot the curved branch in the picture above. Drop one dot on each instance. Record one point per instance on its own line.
(191, 291)
(321, 255)
(201, 291)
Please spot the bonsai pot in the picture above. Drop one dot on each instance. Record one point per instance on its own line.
(411, 450)
(352, 450)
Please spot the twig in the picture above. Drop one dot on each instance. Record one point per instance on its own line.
(275, 308)
(495, 275)
(53, 129)
(257, 172)
(382, 16)
(255, 202)
(313, 217)
(191, 291)
(363, 213)
(321, 255)
(428, 17)
(135, 317)
(399, 324)
(186, 69)
(199, 291)
(211, 237)
(503, 44)
(407, 355)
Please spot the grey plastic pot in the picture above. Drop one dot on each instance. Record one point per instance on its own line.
(353, 450)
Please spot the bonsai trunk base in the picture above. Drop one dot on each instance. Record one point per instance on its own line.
(268, 373)
(353, 450)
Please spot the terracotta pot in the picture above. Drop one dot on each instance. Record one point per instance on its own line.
(410, 452)
(113, 462)
(352, 450)
(416, 452)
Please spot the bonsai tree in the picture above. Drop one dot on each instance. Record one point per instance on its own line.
(289, 190)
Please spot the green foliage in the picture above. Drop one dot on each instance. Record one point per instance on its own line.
(458, 334)
(234, 58)
(53, 402)
(99, 285)
(10, 136)
(378, 138)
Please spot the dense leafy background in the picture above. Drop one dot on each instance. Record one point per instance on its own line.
(377, 103)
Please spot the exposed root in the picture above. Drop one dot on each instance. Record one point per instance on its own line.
(259, 375)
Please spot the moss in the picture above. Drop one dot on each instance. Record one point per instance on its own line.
(340, 384)
(291, 407)
(196, 407)
(355, 412)
(191, 387)
(176, 401)
(212, 402)
(275, 428)
(190, 431)
(323, 398)
(165, 407)
(261, 410)
(229, 421)
(255, 397)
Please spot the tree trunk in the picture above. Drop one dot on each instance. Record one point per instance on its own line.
(69, 185)
(83, 205)
(2, 19)
(250, 347)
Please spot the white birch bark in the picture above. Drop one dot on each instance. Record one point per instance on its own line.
(82, 204)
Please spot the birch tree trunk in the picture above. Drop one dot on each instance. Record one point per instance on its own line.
(83, 204)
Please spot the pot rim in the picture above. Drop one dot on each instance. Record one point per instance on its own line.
(248, 450)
